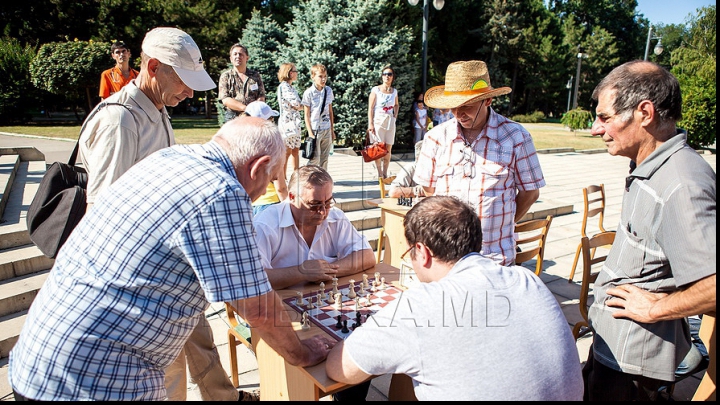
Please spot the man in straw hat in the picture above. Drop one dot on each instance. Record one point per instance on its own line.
(480, 157)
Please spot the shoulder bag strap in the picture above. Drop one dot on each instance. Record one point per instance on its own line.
(103, 104)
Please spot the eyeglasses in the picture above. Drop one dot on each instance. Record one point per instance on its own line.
(469, 165)
(388, 74)
(402, 257)
(317, 207)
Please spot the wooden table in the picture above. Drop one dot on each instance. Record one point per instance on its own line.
(282, 381)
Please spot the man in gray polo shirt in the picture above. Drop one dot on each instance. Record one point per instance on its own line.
(661, 267)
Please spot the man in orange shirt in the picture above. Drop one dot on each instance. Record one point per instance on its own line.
(113, 79)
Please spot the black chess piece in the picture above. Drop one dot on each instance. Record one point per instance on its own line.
(345, 327)
(339, 323)
(358, 319)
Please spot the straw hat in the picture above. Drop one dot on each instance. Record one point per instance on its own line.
(466, 82)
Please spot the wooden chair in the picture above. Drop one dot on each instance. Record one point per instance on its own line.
(237, 333)
(594, 205)
(707, 388)
(531, 237)
(588, 245)
(383, 194)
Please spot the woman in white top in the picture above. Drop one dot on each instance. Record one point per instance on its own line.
(289, 121)
(383, 109)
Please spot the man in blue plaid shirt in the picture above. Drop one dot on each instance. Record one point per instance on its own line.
(172, 233)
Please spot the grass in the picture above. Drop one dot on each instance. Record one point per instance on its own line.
(200, 130)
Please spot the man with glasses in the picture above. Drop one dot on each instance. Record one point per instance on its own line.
(113, 79)
(481, 157)
(305, 239)
(471, 329)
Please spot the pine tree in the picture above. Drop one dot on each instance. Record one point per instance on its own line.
(354, 39)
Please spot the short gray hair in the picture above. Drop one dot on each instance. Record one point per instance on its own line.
(249, 138)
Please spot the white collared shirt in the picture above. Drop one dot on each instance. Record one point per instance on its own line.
(281, 244)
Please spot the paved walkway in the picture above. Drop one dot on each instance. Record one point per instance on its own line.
(565, 173)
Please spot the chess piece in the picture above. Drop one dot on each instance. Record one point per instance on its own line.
(339, 322)
(382, 284)
(357, 304)
(300, 301)
(330, 299)
(305, 321)
(377, 276)
(351, 292)
(365, 282)
(362, 291)
(318, 300)
(345, 327)
(322, 290)
(310, 303)
(338, 301)
(335, 285)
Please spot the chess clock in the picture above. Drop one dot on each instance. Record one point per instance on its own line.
(408, 278)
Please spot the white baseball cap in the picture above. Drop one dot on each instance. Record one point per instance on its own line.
(260, 109)
(176, 48)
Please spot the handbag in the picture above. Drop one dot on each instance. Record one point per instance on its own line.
(60, 201)
(58, 206)
(374, 151)
(309, 151)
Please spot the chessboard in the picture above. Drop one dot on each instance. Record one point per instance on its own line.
(339, 320)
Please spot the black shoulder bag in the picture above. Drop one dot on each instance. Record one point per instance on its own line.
(60, 201)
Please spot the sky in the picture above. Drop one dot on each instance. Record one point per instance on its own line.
(670, 11)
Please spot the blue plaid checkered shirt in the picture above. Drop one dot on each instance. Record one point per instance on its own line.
(172, 233)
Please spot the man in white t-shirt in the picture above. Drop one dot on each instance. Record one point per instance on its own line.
(471, 329)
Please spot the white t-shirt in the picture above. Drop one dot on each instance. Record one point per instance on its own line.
(484, 332)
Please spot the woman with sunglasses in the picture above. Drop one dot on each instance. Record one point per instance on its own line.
(383, 109)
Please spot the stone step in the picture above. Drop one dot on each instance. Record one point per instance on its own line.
(13, 227)
(17, 294)
(10, 327)
(8, 169)
(21, 261)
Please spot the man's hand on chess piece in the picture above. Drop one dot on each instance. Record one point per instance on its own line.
(318, 270)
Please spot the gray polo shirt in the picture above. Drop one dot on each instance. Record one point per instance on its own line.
(665, 241)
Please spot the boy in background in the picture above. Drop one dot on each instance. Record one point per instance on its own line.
(319, 119)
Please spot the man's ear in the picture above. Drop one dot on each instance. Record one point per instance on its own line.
(423, 254)
(258, 166)
(646, 109)
(153, 66)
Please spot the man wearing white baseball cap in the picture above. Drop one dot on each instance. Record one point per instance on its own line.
(260, 109)
(129, 126)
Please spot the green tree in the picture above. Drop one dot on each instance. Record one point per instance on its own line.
(17, 95)
(71, 69)
(263, 37)
(353, 39)
(694, 66)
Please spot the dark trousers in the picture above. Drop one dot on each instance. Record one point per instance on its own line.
(20, 397)
(605, 384)
(355, 393)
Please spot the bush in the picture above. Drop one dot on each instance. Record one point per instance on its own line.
(17, 95)
(536, 116)
(577, 119)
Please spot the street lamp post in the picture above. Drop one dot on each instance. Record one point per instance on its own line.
(569, 87)
(580, 57)
(658, 47)
(426, 9)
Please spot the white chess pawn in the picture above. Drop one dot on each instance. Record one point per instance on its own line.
(357, 304)
(377, 277)
(362, 291)
(300, 301)
(330, 299)
(382, 284)
(310, 303)
(365, 282)
(338, 301)
(318, 300)
(351, 292)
